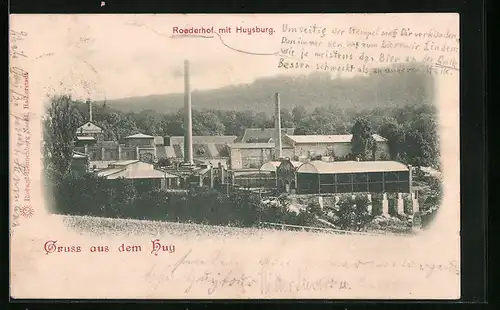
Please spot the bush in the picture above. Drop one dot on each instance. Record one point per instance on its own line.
(393, 207)
(377, 204)
(392, 224)
(353, 213)
(408, 204)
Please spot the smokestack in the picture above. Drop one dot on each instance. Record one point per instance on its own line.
(90, 110)
(277, 125)
(188, 126)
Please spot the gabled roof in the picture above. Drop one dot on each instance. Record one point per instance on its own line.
(147, 174)
(85, 138)
(204, 139)
(328, 138)
(270, 166)
(139, 136)
(321, 167)
(122, 163)
(257, 146)
(100, 164)
(89, 127)
(253, 135)
(79, 155)
(200, 150)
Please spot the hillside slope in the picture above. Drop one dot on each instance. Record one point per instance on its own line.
(311, 91)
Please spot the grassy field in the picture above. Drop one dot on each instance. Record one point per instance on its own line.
(105, 226)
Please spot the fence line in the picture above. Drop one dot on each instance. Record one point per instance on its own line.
(309, 228)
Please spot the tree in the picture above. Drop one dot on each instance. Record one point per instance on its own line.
(353, 213)
(207, 123)
(362, 142)
(298, 114)
(125, 196)
(60, 127)
(395, 135)
(286, 118)
(318, 124)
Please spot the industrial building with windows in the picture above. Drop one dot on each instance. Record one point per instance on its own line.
(318, 177)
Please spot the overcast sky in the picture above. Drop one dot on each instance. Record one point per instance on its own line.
(120, 56)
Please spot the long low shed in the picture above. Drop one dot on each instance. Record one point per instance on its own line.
(353, 176)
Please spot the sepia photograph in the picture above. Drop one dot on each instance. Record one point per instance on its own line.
(235, 156)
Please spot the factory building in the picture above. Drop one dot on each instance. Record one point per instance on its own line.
(336, 146)
(207, 150)
(144, 176)
(263, 135)
(254, 155)
(318, 177)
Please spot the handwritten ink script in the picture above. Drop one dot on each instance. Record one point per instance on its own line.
(20, 126)
(275, 276)
(377, 50)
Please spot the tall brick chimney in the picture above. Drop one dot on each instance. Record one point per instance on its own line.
(277, 125)
(188, 126)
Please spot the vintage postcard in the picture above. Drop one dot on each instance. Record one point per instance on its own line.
(311, 156)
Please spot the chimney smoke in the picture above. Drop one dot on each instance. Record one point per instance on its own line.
(277, 124)
(188, 126)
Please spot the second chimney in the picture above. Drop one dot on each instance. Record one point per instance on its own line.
(277, 120)
(90, 110)
(188, 126)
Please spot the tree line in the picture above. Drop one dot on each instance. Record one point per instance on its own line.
(411, 130)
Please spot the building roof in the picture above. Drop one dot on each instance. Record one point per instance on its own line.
(89, 127)
(257, 146)
(259, 135)
(109, 171)
(159, 140)
(262, 140)
(147, 174)
(85, 138)
(79, 155)
(139, 136)
(204, 139)
(296, 164)
(270, 166)
(100, 164)
(118, 169)
(321, 167)
(378, 138)
(123, 162)
(328, 138)
(200, 150)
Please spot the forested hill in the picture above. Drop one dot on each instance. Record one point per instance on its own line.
(316, 90)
